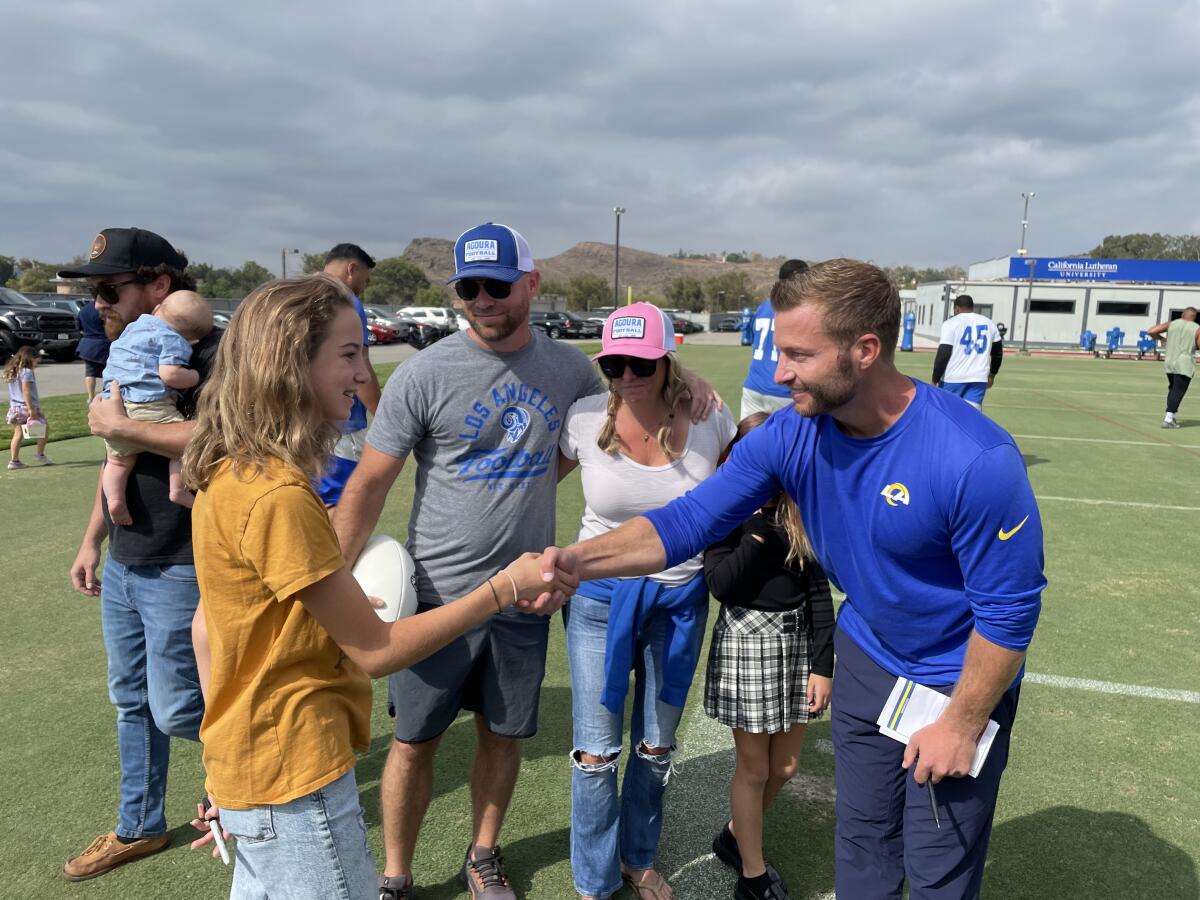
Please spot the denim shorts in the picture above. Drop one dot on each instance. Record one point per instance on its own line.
(313, 848)
(495, 669)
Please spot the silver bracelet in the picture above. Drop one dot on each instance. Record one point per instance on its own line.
(516, 596)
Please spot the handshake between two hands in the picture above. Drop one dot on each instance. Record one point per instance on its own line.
(546, 580)
(543, 581)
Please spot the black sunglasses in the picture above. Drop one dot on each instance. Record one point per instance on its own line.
(110, 292)
(468, 289)
(613, 367)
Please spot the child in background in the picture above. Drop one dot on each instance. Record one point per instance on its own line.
(770, 669)
(23, 405)
(148, 362)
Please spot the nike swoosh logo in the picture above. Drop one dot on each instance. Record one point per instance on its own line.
(1005, 535)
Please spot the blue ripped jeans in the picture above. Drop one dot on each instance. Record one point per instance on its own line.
(607, 830)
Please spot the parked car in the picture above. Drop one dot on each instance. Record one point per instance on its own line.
(422, 334)
(398, 324)
(380, 334)
(686, 326)
(564, 324)
(439, 316)
(729, 323)
(23, 323)
(73, 305)
(222, 319)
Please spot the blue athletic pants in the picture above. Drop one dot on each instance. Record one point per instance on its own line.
(885, 829)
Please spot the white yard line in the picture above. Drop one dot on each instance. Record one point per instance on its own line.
(1084, 440)
(1111, 687)
(1093, 502)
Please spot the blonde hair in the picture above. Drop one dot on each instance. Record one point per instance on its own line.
(24, 358)
(674, 390)
(259, 403)
(787, 513)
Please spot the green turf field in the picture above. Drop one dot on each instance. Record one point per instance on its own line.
(1101, 798)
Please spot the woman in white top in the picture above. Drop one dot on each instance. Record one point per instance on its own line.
(637, 451)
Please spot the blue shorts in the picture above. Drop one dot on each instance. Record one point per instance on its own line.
(972, 391)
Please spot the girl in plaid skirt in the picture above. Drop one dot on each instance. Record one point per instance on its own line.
(770, 668)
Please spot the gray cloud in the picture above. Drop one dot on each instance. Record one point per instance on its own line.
(901, 132)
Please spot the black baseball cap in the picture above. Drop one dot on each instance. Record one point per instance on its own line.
(117, 250)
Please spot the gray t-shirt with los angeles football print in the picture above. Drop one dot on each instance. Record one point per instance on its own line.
(483, 430)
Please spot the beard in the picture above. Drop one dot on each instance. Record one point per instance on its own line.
(499, 329)
(833, 393)
(114, 323)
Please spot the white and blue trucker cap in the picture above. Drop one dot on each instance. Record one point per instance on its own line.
(491, 251)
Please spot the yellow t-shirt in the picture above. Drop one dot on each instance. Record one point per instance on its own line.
(286, 708)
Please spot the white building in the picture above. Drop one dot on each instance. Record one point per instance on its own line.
(1066, 297)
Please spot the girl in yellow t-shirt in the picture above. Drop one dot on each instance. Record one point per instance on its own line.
(291, 638)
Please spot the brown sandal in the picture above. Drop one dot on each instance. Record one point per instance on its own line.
(644, 887)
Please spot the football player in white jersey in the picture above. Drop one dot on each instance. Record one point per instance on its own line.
(969, 353)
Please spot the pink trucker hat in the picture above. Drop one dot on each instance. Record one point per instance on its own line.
(640, 329)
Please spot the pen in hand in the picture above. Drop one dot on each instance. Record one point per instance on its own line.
(933, 802)
(214, 827)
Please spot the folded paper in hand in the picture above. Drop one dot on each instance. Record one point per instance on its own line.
(912, 706)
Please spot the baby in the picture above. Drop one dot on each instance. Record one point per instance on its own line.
(148, 360)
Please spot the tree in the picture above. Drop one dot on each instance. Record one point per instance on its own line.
(394, 282)
(587, 290)
(8, 268)
(431, 295)
(34, 276)
(1148, 246)
(729, 290)
(248, 277)
(552, 287)
(313, 262)
(687, 293)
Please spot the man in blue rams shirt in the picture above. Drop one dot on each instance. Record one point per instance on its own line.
(920, 509)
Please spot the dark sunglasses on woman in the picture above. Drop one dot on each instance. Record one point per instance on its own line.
(468, 288)
(613, 367)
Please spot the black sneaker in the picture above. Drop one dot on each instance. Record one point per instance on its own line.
(767, 886)
(725, 847)
(484, 876)
(398, 887)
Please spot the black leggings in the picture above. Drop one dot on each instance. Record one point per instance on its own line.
(1177, 386)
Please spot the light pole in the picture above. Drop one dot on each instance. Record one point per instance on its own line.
(1024, 221)
(617, 210)
(1032, 263)
(283, 255)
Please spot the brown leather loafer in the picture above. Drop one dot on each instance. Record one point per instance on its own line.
(107, 852)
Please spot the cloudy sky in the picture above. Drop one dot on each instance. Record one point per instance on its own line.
(901, 132)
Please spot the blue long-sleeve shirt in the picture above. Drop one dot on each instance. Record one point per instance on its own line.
(931, 528)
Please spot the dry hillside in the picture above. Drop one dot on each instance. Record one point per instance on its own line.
(645, 272)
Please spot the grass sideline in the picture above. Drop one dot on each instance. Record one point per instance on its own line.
(1100, 798)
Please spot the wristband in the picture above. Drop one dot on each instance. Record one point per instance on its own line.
(495, 596)
(516, 596)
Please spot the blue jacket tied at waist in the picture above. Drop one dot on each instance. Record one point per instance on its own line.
(632, 601)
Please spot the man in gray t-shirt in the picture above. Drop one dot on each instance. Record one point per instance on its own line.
(481, 412)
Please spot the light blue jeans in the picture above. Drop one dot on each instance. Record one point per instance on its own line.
(607, 831)
(314, 848)
(146, 615)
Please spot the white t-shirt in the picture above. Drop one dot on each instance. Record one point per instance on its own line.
(616, 489)
(971, 337)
